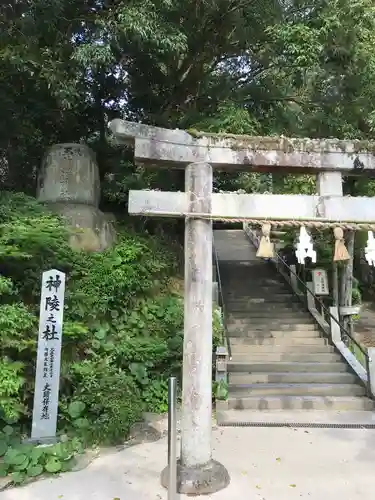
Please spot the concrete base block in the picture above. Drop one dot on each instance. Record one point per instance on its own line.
(201, 480)
(221, 405)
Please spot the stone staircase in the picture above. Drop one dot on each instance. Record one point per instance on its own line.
(280, 359)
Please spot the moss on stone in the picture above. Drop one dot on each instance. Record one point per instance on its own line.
(284, 144)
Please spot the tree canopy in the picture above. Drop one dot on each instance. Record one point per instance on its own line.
(292, 67)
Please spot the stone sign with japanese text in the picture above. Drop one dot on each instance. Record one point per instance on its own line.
(320, 282)
(47, 375)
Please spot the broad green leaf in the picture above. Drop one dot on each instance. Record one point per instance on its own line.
(53, 465)
(18, 477)
(35, 470)
(14, 457)
(76, 408)
(3, 447)
(23, 465)
(36, 453)
(68, 465)
(4, 468)
(81, 423)
(8, 430)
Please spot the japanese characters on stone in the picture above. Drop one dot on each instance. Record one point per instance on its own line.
(49, 351)
(50, 333)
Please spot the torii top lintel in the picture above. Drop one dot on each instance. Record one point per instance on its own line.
(159, 147)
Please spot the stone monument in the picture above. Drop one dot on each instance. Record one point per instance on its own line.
(69, 183)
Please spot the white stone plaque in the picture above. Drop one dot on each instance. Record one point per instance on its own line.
(47, 375)
(320, 281)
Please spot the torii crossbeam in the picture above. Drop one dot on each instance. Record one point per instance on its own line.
(198, 154)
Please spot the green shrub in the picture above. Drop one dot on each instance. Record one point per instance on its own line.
(110, 400)
(11, 382)
(25, 461)
(122, 334)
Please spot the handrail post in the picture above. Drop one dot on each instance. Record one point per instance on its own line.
(293, 278)
(221, 364)
(335, 326)
(172, 438)
(371, 370)
(310, 296)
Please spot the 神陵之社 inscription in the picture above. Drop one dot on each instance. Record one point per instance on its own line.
(48, 358)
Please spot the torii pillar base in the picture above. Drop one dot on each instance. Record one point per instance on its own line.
(201, 480)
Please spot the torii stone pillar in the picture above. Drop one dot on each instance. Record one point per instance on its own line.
(197, 472)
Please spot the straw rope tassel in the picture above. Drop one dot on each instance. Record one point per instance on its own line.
(266, 248)
(341, 253)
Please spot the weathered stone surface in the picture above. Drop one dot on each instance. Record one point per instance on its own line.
(92, 230)
(69, 184)
(176, 148)
(258, 206)
(196, 423)
(200, 480)
(69, 173)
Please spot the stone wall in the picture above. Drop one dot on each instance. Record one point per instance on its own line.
(69, 183)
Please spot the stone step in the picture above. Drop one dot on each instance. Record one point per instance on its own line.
(264, 316)
(272, 299)
(293, 378)
(332, 403)
(284, 366)
(236, 292)
(259, 341)
(244, 281)
(323, 418)
(275, 309)
(255, 270)
(245, 300)
(269, 331)
(324, 357)
(250, 319)
(249, 349)
(270, 324)
(264, 390)
(260, 310)
(264, 301)
(262, 291)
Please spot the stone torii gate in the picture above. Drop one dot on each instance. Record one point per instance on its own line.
(199, 154)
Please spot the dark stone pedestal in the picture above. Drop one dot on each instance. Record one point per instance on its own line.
(202, 480)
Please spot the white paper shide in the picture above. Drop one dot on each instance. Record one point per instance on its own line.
(48, 356)
(304, 247)
(370, 249)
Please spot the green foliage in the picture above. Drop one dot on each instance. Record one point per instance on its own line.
(106, 401)
(356, 293)
(122, 326)
(221, 390)
(11, 382)
(26, 461)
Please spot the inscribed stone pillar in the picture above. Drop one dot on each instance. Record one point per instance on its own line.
(197, 473)
(69, 183)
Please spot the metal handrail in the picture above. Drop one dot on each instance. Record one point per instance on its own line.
(172, 438)
(221, 300)
(322, 306)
